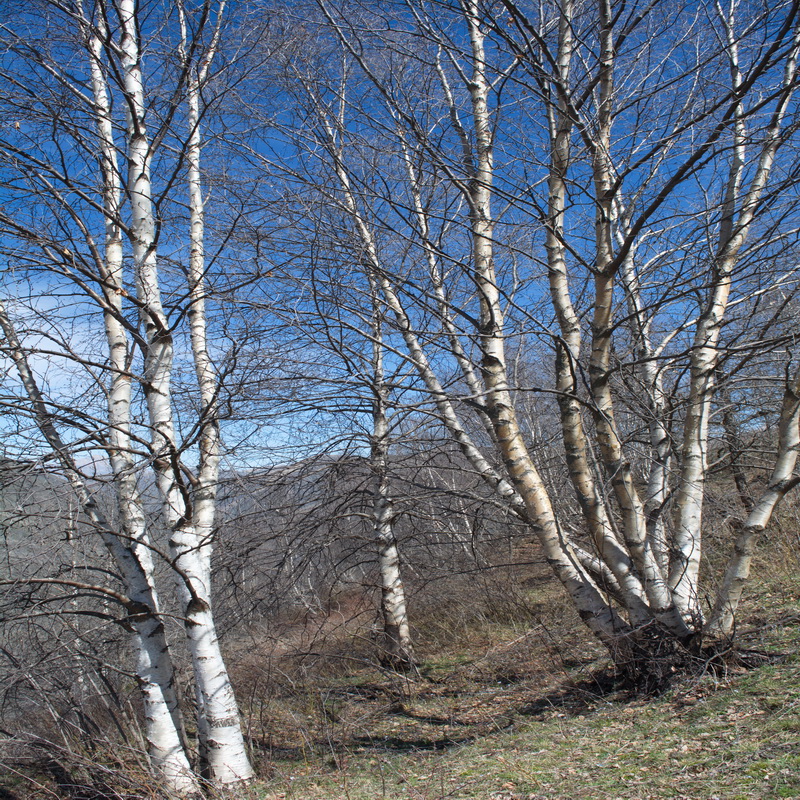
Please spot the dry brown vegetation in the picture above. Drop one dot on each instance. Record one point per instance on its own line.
(512, 700)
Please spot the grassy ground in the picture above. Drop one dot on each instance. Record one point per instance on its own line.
(731, 739)
(513, 702)
(518, 720)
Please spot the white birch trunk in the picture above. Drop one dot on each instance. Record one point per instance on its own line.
(397, 633)
(397, 647)
(782, 480)
(594, 610)
(734, 228)
(609, 441)
(525, 491)
(471, 378)
(652, 381)
(190, 539)
(153, 665)
(568, 349)
(205, 493)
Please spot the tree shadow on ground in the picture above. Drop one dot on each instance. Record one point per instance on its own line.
(579, 698)
(396, 744)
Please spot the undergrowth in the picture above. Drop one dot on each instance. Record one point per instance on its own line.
(511, 702)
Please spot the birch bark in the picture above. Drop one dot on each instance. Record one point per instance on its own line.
(596, 613)
(651, 379)
(523, 489)
(130, 552)
(734, 229)
(398, 649)
(568, 347)
(782, 480)
(189, 515)
(615, 461)
(633, 566)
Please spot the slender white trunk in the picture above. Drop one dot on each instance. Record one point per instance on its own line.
(205, 493)
(153, 665)
(595, 611)
(615, 461)
(651, 379)
(734, 229)
(398, 649)
(568, 348)
(783, 478)
(397, 634)
(472, 380)
(189, 516)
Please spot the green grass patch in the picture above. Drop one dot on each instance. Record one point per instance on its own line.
(731, 738)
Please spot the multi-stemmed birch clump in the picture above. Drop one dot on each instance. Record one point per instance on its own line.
(493, 217)
(605, 192)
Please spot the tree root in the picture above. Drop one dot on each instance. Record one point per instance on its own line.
(654, 660)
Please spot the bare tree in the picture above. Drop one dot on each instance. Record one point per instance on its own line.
(106, 42)
(629, 149)
(130, 549)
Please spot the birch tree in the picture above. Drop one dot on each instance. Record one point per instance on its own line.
(130, 550)
(636, 148)
(397, 645)
(334, 306)
(109, 41)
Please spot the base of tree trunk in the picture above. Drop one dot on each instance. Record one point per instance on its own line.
(395, 656)
(398, 662)
(655, 659)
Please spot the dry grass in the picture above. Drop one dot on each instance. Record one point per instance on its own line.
(512, 707)
(511, 703)
(728, 737)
